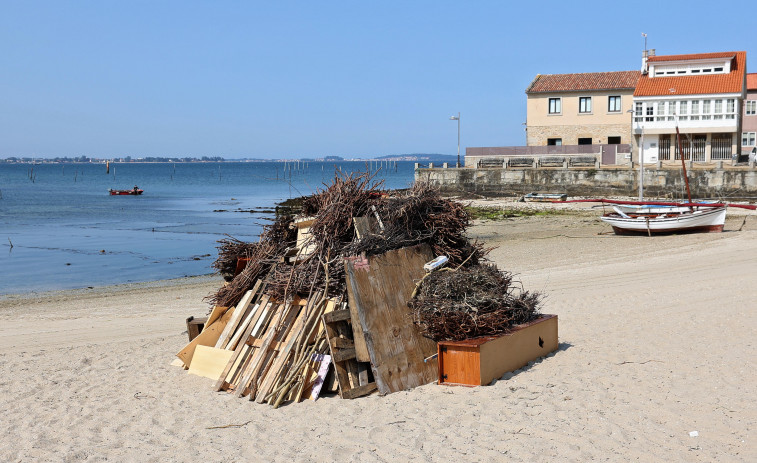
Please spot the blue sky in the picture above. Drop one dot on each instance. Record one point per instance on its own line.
(306, 79)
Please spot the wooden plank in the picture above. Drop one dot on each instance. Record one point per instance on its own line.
(209, 362)
(305, 320)
(241, 310)
(278, 330)
(336, 316)
(238, 362)
(340, 372)
(361, 348)
(215, 314)
(207, 337)
(237, 352)
(263, 320)
(242, 328)
(362, 374)
(342, 343)
(340, 355)
(260, 354)
(359, 391)
(381, 288)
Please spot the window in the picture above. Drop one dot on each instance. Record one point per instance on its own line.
(554, 141)
(584, 104)
(748, 138)
(613, 104)
(613, 140)
(650, 112)
(584, 141)
(555, 106)
(718, 109)
(706, 110)
(751, 107)
(638, 112)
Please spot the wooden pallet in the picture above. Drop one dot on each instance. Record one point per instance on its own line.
(352, 376)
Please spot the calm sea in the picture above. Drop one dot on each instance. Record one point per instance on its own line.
(67, 232)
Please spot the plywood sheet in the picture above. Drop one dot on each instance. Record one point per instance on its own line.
(209, 362)
(208, 337)
(380, 287)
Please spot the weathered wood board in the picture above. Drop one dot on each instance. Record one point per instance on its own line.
(209, 361)
(380, 288)
(208, 337)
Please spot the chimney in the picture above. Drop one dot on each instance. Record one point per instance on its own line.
(644, 56)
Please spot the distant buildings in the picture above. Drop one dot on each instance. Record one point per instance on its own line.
(707, 95)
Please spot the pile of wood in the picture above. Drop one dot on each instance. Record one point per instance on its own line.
(322, 302)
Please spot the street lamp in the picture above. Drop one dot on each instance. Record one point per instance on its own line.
(457, 118)
(641, 156)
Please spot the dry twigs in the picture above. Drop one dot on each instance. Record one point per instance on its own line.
(471, 302)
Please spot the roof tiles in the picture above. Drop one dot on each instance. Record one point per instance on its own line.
(695, 85)
(751, 81)
(618, 80)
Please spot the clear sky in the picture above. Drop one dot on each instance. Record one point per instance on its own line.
(308, 79)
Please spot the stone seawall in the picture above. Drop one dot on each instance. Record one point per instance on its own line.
(731, 182)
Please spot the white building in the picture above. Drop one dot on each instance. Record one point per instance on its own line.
(702, 94)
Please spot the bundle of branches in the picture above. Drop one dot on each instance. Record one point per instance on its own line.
(422, 215)
(273, 243)
(465, 303)
(349, 196)
(229, 251)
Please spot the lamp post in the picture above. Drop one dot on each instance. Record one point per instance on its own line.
(641, 156)
(457, 118)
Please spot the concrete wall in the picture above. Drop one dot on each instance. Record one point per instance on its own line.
(732, 182)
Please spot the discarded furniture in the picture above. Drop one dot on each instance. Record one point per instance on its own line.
(479, 361)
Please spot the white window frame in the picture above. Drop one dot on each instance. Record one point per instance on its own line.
(619, 105)
(750, 107)
(586, 108)
(748, 138)
(558, 104)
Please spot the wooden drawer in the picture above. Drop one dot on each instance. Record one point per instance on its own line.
(479, 361)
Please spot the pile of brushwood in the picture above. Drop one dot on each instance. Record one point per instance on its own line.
(480, 300)
(473, 300)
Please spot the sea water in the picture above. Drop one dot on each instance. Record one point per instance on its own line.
(60, 229)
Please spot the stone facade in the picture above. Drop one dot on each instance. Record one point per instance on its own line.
(599, 133)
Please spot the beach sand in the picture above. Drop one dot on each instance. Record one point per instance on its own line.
(657, 340)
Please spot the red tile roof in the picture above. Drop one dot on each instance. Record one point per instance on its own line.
(620, 80)
(695, 85)
(751, 81)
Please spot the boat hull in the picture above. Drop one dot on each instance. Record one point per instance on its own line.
(710, 220)
(125, 192)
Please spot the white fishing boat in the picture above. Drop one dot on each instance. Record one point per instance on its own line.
(680, 220)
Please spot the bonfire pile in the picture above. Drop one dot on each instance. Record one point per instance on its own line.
(285, 321)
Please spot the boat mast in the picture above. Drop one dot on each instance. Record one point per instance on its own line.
(683, 163)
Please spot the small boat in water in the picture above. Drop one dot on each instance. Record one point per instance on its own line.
(134, 191)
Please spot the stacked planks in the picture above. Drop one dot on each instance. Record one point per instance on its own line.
(264, 349)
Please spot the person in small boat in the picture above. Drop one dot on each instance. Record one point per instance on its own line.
(136, 190)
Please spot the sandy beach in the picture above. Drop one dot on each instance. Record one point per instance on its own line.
(657, 341)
